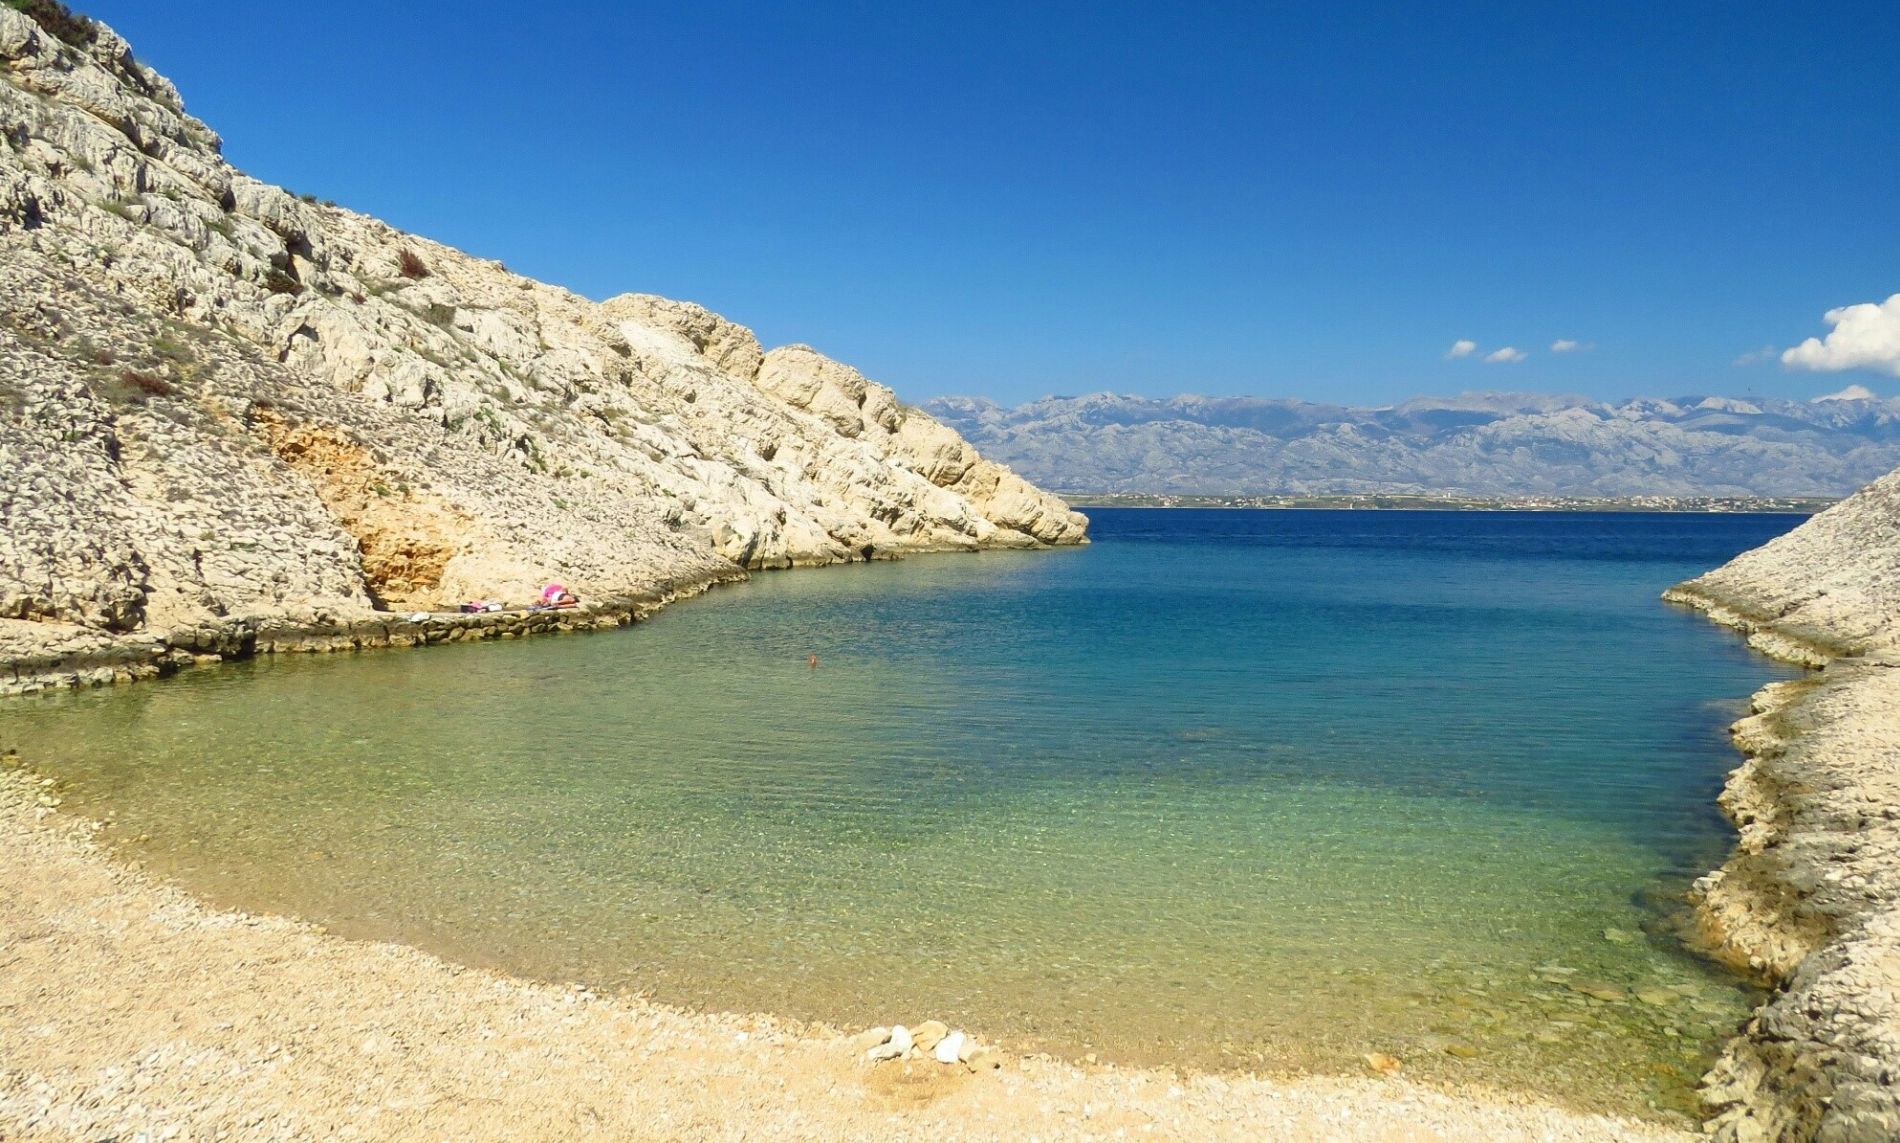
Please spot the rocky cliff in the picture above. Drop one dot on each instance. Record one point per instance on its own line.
(233, 420)
(1476, 444)
(1810, 900)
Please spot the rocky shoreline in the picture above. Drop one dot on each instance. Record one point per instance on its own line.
(236, 422)
(34, 659)
(1809, 902)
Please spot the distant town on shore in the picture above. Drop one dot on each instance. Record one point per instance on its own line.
(1801, 504)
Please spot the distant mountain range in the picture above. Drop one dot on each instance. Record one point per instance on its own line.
(1476, 444)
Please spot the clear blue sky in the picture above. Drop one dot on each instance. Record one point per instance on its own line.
(1312, 200)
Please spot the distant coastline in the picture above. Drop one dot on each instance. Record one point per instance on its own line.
(1477, 444)
(1805, 505)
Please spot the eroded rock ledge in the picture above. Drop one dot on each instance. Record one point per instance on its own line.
(43, 656)
(1810, 899)
(232, 418)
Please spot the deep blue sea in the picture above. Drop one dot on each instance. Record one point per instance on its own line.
(1259, 790)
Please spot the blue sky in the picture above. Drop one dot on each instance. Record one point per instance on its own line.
(1312, 200)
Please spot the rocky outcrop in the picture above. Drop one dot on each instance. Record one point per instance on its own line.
(1832, 584)
(224, 409)
(864, 410)
(1476, 444)
(1810, 900)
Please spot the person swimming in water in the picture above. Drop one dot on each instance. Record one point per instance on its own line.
(814, 661)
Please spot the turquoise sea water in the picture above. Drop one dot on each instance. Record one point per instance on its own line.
(1259, 790)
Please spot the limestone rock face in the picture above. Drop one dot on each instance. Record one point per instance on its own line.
(728, 346)
(1810, 899)
(864, 410)
(223, 406)
(1834, 582)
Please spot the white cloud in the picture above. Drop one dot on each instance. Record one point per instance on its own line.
(1851, 393)
(1865, 336)
(1757, 356)
(1506, 356)
(1463, 347)
(1566, 345)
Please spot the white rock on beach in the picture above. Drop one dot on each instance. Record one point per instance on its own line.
(950, 1049)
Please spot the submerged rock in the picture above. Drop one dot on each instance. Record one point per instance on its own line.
(980, 1058)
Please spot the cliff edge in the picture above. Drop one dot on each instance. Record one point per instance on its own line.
(233, 420)
(1810, 899)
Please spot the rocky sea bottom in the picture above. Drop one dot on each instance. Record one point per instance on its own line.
(1242, 790)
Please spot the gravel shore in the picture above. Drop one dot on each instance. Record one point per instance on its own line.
(129, 1010)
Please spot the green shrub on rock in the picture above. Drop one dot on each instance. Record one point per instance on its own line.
(60, 22)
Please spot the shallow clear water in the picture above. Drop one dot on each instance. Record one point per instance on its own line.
(1234, 789)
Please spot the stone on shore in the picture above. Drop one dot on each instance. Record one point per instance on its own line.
(950, 1049)
(927, 1034)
